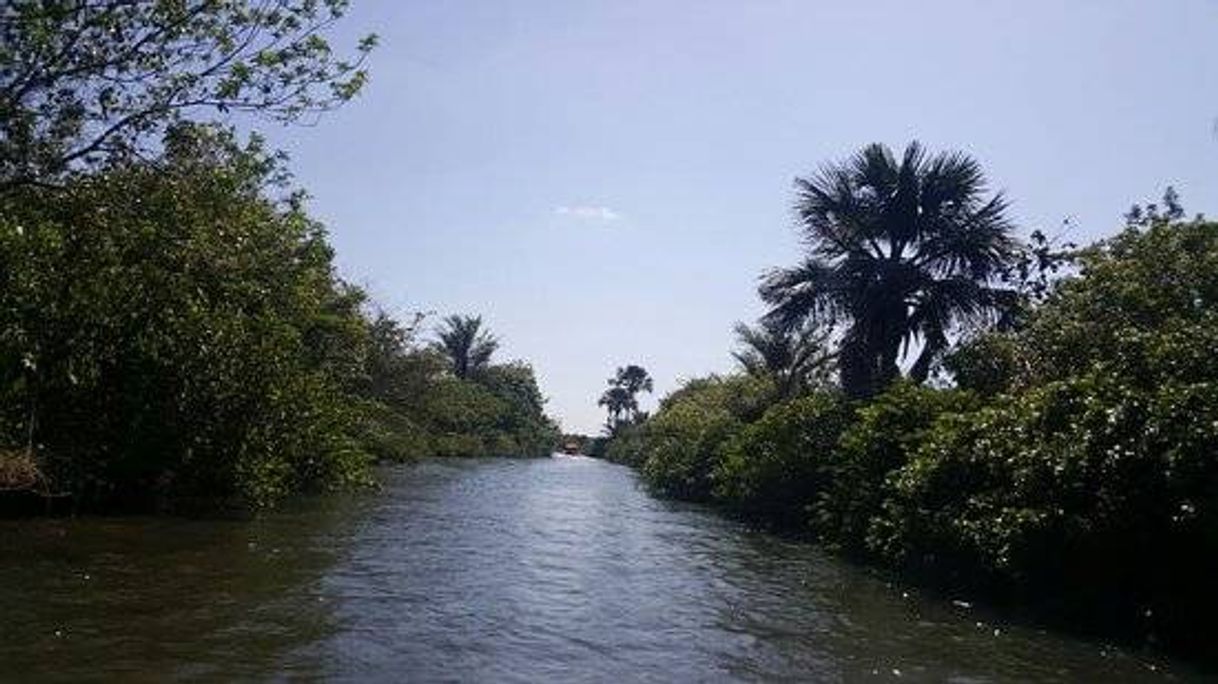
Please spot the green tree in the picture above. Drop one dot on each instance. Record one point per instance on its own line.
(621, 399)
(468, 346)
(900, 254)
(1090, 472)
(776, 467)
(85, 82)
(615, 400)
(174, 331)
(399, 379)
(524, 428)
(680, 449)
(795, 359)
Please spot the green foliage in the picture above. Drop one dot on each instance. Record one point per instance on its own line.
(776, 467)
(468, 346)
(987, 364)
(1088, 480)
(528, 430)
(1074, 464)
(625, 446)
(428, 410)
(880, 439)
(682, 445)
(1095, 471)
(173, 330)
(86, 82)
(795, 360)
(1144, 306)
(598, 447)
(171, 323)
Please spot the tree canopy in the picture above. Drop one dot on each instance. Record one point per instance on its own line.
(900, 252)
(621, 399)
(86, 82)
(468, 346)
(794, 359)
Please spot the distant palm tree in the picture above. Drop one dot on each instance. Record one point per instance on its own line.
(899, 253)
(468, 346)
(633, 378)
(621, 399)
(618, 402)
(793, 358)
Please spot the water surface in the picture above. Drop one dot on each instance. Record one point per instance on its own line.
(557, 570)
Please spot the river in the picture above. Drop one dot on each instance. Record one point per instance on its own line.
(559, 570)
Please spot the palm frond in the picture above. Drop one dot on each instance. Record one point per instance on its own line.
(898, 251)
(813, 291)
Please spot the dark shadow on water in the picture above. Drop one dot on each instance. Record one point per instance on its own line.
(153, 598)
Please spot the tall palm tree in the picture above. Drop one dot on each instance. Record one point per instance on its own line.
(621, 399)
(468, 346)
(899, 255)
(618, 402)
(633, 378)
(793, 358)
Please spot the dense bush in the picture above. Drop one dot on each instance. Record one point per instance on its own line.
(776, 467)
(1095, 473)
(177, 330)
(1088, 485)
(522, 427)
(1073, 467)
(171, 323)
(173, 329)
(499, 413)
(682, 445)
(420, 407)
(881, 438)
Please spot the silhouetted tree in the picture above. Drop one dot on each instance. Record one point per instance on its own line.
(899, 253)
(468, 346)
(793, 359)
(621, 399)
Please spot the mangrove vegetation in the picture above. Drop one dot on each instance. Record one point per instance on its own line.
(1023, 418)
(173, 330)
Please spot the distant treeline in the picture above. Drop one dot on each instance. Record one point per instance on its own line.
(1031, 420)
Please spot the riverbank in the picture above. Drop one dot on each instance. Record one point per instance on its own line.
(175, 329)
(1068, 468)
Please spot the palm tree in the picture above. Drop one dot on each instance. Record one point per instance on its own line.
(794, 359)
(633, 378)
(621, 399)
(618, 402)
(899, 254)
(468, 346)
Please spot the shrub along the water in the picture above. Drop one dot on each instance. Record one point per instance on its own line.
(777, 466)
(682, 446)
(177, 330)
(878, 441)
(169, 327)
(171, 323)
(1075, 464)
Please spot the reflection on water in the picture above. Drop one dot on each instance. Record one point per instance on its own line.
(553, 570)
(150, 598)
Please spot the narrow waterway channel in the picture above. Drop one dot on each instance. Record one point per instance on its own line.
(557, 570)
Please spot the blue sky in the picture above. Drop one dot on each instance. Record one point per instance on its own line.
(604, 181)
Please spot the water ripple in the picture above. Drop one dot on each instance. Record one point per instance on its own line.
(558, 570)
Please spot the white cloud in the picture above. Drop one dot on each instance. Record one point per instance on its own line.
(590, 213)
